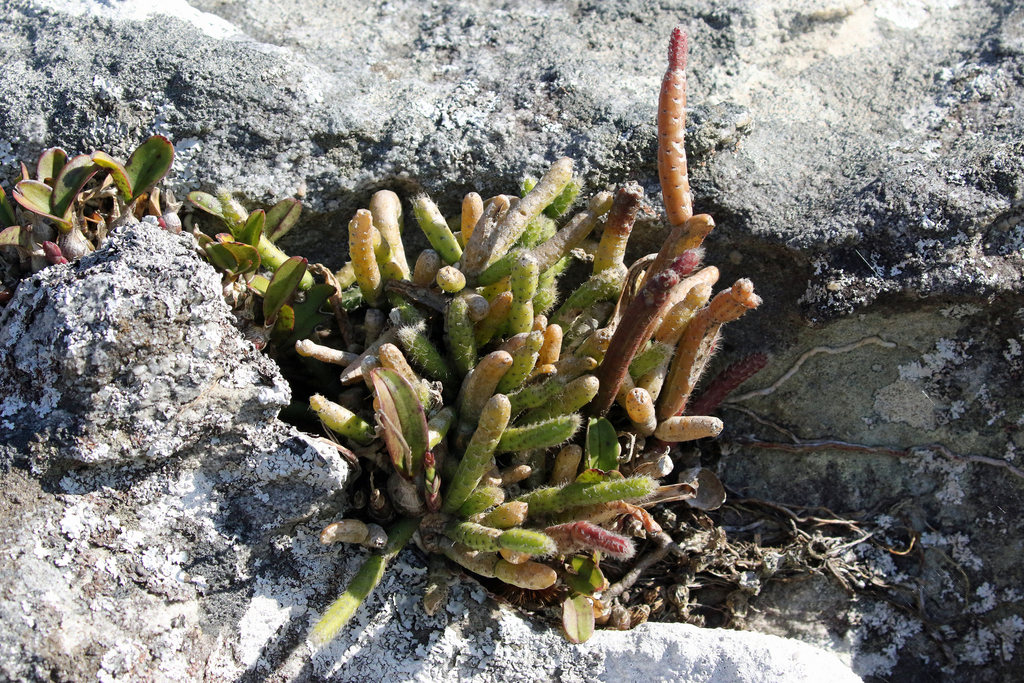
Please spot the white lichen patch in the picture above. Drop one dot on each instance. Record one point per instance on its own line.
(949, 473)
(906, 401)
(891, 626)
(947, 353)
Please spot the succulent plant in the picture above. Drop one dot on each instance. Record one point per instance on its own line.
(291, 298)
(476, 447)
(68, 208)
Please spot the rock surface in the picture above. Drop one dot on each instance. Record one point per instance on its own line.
(863, 161)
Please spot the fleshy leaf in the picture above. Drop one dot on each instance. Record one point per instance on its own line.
(587, 578)
(221, 257)
(283, 286)
(602, 445)
(578, 619)
(208, 203)
(51, 161)
(69, 182)
(253, 228)
(234, 258)
(117, 174)
(403, 420)
(259, 284)
(148, 164)
(35, 197)
(10, 236)
(307, 314)
(7, 217)
(247, 256)
(281, 217)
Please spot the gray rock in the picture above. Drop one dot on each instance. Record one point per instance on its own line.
(862, 161)
(123, 356)
(144, 471)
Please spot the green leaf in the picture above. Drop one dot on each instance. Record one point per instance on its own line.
(51, 161)
(259, 284)
(578, 619)
(69, 182)
(148, 164)
(587, 578)
(247, 256)
(234, 258)
(253, 228)
(281, 218)
(283, 286)
(118, 174)
(221, 257)
(208, 203)
(307, 314)
(35, 197)
(403, 420)
(602, 445)
(284, 323)
(7, 217)
(11, 236)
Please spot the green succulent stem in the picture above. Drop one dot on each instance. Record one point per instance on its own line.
(461, 335)
(363, 583)
(482, 499)
(523, 361)
(421, 351)
(479, 454)
(539, 435)
(603, 286)
(548, 500)
(436, 229)
(651, 358)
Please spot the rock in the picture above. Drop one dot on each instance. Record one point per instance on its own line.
(863, 164)
(145, 474)
(123, 356)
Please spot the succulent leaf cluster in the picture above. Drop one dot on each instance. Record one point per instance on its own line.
(481, 380)
(67, 208)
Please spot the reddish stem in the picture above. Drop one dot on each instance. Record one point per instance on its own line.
(677, 50)
(636, 327)
(727, 381)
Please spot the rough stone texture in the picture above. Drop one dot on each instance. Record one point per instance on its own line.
(863, 161)
(123, 356)
(137, 561)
